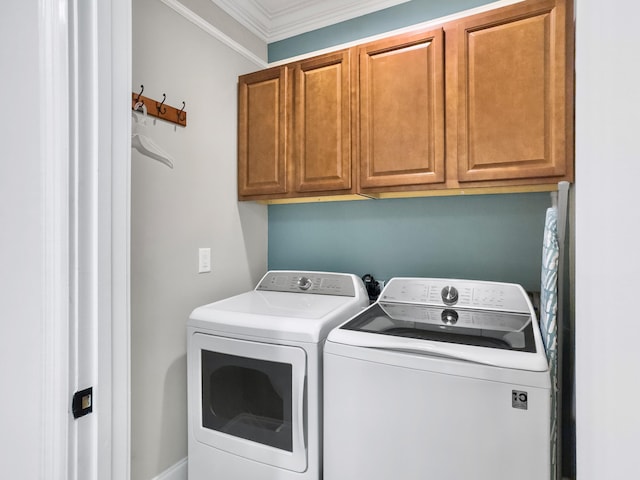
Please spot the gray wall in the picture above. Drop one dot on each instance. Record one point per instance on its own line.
(176, 211)
(487, 237)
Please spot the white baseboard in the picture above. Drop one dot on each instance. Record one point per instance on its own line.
(175, 472)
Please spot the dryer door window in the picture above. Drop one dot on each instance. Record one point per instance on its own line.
(247, 398)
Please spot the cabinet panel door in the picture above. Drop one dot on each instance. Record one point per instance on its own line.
(402, 111)
(512, 104)
(262, 132)
(322, 125)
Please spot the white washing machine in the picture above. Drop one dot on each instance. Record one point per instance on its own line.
(439, 379)
(255, 376)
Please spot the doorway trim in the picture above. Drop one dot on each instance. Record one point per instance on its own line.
(115, 22)
(84, 87)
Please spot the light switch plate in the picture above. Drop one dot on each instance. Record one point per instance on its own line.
(204, 260)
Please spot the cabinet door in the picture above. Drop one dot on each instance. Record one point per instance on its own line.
(322, 123)
(512, 103)
(262, 132)
(401, 111)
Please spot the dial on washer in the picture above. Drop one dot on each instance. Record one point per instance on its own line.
(449, 295)
(304, 283)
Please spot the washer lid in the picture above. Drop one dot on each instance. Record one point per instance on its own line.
(507, 339)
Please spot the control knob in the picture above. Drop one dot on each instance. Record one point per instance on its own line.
(304, 283)
(449, 295)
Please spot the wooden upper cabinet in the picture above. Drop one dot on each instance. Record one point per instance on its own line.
(486, 101)
(321, 153)
(401, 111)
(514, 100)
(262, 132)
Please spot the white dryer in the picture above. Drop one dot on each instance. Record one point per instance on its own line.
(441, 379)
(255, 376)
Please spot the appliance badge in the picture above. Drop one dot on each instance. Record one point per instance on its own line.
(519, 399)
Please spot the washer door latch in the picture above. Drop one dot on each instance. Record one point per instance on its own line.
(82, 403)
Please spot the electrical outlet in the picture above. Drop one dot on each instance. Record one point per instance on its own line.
(204, 260)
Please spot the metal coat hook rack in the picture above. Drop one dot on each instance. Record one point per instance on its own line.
(158, 109)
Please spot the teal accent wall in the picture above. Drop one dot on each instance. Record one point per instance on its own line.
(486, 237)
(392, 18)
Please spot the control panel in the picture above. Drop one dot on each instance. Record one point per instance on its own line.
(309, 282)
(457, 294)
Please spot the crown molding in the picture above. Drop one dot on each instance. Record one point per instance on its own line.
(262, 63)
(214, 32)
(436, 22)
(272, 24)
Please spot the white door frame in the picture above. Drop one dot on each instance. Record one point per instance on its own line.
(55, 159)
(118, 15)
(85, 76)
(110, 73)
